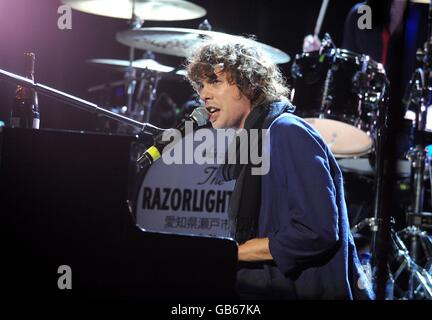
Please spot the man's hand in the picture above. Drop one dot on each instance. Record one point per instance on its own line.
(311, 43)
(255, 250)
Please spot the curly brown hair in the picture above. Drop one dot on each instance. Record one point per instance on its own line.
(259, 79)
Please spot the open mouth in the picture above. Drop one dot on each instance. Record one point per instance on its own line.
(212, 109)
(213, 113)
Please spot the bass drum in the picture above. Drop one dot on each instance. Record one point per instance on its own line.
(186, 199)
(339, 94)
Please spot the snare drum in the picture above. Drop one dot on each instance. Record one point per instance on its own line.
(339, 93)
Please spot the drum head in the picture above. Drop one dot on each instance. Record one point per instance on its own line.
(343, 139)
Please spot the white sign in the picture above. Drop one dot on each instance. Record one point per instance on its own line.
(184, 199)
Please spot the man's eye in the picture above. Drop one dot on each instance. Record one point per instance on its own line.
(212, 81)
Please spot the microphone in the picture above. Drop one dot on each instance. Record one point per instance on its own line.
(199, 117)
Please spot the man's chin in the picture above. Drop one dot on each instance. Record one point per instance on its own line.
(216, 126)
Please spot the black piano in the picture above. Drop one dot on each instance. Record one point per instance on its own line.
(66, 231)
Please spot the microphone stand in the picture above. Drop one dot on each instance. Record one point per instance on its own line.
(78, 102)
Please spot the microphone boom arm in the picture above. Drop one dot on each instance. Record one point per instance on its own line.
(78, 102)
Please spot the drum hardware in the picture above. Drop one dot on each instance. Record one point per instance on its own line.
(78, 102)
(157, 10)
(370, 223)
(140, 94)
(130, 74)
(417, 158)
(182, 42)
(177, 42)
(420, 280)
(401, 260)
(338, 92)
(140, 86)
(422, 221)
(148, 64)
(129, 77)
(382, 227)
(419, 243)
(141, 77)
(145, 68)
(105, 86)
(146, 96)
(205, 25)
(381, 223)
(327, 45)
(420, 1)
(326, 100)
(353, 105)
(320, 18)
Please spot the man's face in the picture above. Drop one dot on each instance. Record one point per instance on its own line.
(228, 106)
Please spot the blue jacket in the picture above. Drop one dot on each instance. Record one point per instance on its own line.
(304, 215)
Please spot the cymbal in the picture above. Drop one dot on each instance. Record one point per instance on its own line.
(159, 10)
(183, 42)
(420, 1)
(121, 65)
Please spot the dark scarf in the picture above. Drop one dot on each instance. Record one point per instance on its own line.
(246, 197)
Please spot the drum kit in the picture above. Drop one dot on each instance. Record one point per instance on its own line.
(193, 188)
(339, 92)
(141, 76)
(342, 94)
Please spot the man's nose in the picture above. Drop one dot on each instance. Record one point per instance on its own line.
(205, 93)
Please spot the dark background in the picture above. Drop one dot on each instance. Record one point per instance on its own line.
(80, 180)
(28, 25)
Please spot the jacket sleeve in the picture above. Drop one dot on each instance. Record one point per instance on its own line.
(308, 219)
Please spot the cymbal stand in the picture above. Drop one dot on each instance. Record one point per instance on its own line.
(381, 222)
(361, 87)
(147, 89)
(414, 235)
(420, 279)
(130, 75)
(328, 49)
(419, 97)
(130, 78)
